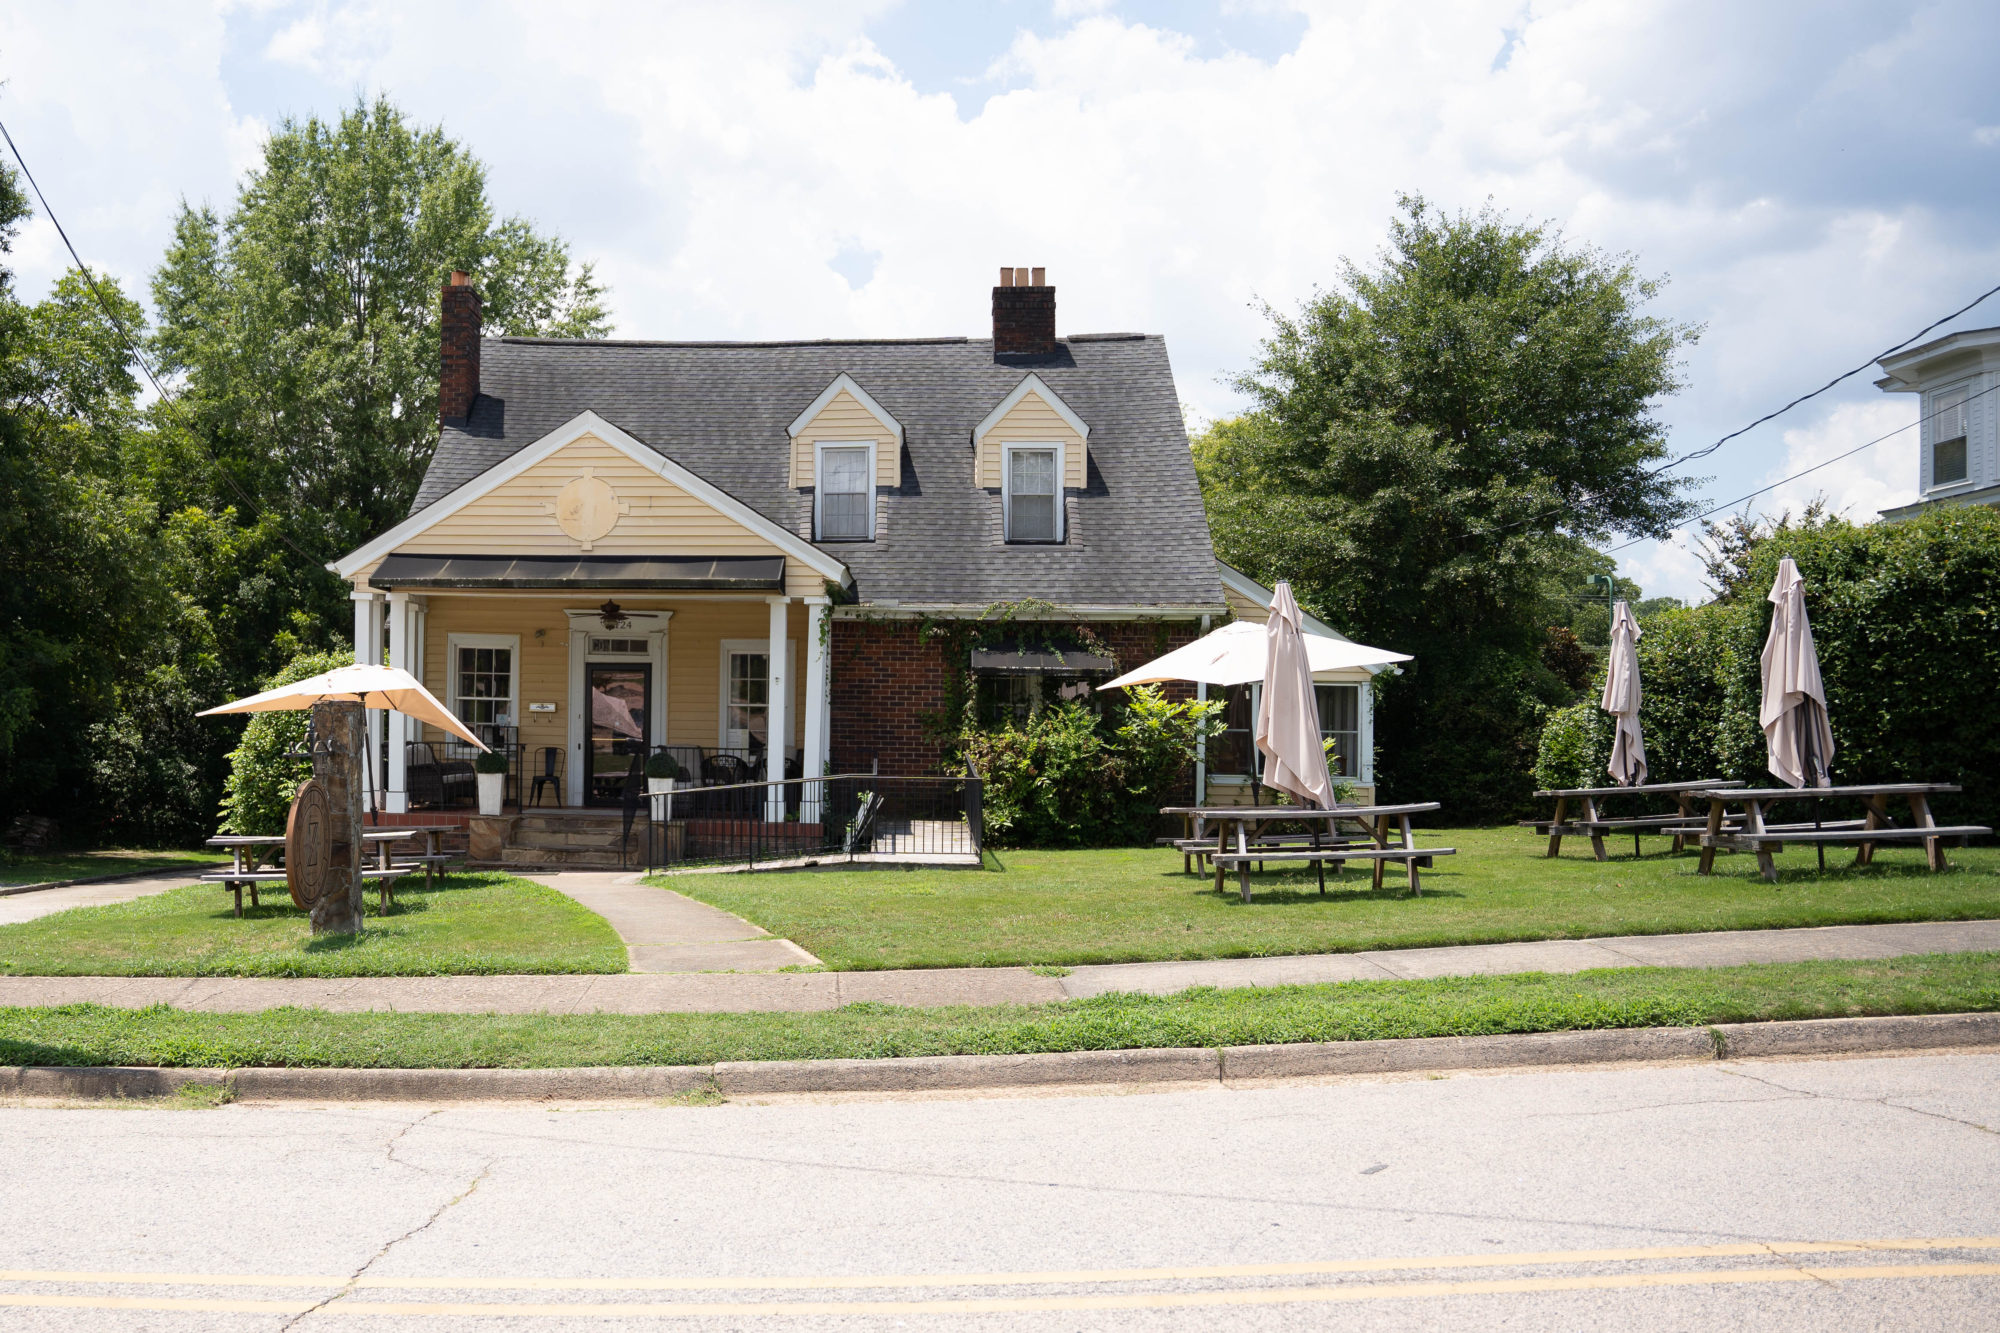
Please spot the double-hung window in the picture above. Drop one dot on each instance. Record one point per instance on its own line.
(846, 492)
(1948, 438)
(1034, 493)
(483, 688)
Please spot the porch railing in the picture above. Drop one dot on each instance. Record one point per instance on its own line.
(850, 816)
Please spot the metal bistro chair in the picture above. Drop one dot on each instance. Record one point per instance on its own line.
(551, 775)
(725, 770)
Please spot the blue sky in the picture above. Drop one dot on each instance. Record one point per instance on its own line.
(1816, 180)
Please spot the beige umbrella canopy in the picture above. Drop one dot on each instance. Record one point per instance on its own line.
(1288, 714)
(1797, 735)
(390, 689)
(1236, 653)
(1621, 700)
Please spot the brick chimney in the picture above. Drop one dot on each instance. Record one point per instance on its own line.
(1024, 314)
(458, 385)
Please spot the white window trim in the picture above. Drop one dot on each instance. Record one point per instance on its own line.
(454, 642)
(1964, 391)
(722, 687)
(819, 474)
(1007, 488)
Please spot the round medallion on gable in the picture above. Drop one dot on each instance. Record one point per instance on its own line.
(587, 508)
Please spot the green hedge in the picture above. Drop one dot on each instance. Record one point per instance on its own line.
(262, 777)
(1906, 618)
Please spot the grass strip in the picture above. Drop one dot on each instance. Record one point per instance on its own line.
(477, 923)
(45, 868)
(1352, 1011)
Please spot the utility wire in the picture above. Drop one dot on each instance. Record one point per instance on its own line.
(1815, 467)
(132, 346)
(1706, 450)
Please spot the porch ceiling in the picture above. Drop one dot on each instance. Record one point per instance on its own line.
(625, 572)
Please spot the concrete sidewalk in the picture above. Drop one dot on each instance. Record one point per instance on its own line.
(768, 992)
(668, 932)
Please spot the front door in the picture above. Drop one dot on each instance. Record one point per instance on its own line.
(620, 699)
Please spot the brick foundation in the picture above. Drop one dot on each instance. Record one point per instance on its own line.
(887, 679)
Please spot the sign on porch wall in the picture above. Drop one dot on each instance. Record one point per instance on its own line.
(541, 708)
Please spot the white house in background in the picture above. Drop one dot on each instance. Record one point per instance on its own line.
(1958, 380)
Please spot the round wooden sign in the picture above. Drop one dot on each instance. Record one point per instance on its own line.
(587, 509)
(309, 845)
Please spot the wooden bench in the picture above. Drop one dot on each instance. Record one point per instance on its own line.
(1411, 857)
(236, 881)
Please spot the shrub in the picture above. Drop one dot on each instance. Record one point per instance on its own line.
(1067, 779)
(660, 764)
(1575, 748)
(263, 778)
(489, 761)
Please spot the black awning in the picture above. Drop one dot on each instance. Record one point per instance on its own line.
(696, 572)
(1013, 662)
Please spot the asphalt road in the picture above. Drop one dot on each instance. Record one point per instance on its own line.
(1689, 1197)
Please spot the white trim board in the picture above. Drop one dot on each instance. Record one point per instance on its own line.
(1031, 383)
(832, 391)
(589, 423)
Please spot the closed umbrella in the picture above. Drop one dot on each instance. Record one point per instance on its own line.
(1621, 700)
(1797, 736)
(613, 714)
(1288, 732)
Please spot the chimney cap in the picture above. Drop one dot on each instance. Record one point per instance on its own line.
(1023, 277)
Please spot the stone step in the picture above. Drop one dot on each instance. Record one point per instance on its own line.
(563, 856)
(583, 838)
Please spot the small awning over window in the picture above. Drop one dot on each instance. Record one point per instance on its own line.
(694, 572)
(1015, 662)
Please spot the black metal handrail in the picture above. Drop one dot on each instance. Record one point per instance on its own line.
(843, 816)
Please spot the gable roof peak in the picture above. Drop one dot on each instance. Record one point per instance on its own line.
(844, 383)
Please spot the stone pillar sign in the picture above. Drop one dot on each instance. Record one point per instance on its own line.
(340, 744)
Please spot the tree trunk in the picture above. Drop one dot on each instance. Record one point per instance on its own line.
(340, 732)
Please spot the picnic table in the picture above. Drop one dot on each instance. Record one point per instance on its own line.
(1757, 833)
(1243, 835)
(247, 851)
(1594, 824)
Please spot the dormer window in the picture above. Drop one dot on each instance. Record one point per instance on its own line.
(1034, 492)
(1948, 439)
(846, 492)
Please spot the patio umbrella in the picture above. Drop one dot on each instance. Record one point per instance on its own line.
(1235, 655)
(1797, 736)
(389, 689)
(1288, 732)
(1621, 700)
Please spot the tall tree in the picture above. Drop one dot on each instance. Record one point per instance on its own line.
(1433, 442)
(303, 328)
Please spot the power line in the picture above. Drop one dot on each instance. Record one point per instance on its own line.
(132, 346)
(1706, 450)
(1815, 467)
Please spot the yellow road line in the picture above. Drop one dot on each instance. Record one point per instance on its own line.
(1058, 1277)
(1021, 1304)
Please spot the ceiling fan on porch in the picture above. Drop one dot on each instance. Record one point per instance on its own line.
(613, 616)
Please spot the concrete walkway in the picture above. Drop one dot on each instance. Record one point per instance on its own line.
(668, 932)
(18, 907)
(769, 992)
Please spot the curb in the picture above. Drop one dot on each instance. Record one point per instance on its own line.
(1076, 1069)
(194, 867)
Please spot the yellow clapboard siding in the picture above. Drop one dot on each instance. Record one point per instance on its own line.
(1245, 608)
(518, 517)
(693, 697)
(845, 420)
(1031, 420)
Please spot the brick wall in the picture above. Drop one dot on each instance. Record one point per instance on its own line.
(886, 679)
(1024, 321)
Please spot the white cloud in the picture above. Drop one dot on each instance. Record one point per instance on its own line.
(763, 169)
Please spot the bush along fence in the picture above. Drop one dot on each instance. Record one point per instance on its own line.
(847, 817)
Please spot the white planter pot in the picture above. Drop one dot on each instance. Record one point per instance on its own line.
(492, 792)
(658, 786)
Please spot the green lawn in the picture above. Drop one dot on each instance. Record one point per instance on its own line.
(469, 923)
(1127, 905)
(84, 865)
(1455, 1006)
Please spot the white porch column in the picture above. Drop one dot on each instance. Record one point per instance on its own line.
(818, 658)
(777, 723)
(368, 652)
(402, 639)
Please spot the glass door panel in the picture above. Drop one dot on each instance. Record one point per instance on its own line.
(621, 700)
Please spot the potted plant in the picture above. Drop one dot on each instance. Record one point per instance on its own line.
(662, 773)
(491, 766)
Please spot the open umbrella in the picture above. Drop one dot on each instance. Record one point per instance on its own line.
(1236, 654)
(1621, 699)
(1797, 736)
(1288, 732)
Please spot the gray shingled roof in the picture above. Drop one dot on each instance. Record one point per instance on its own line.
(1136, 533)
